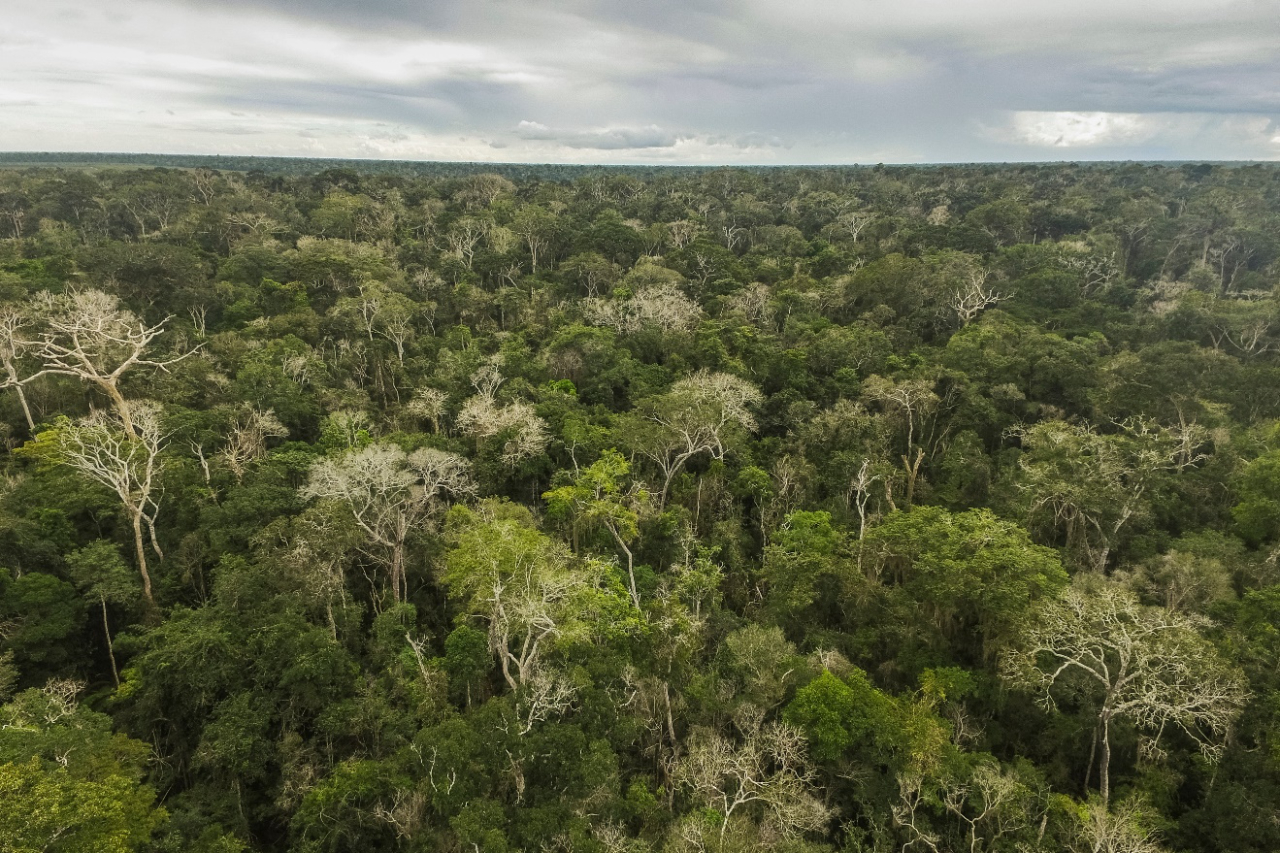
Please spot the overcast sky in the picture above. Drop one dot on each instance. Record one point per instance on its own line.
(646, 81)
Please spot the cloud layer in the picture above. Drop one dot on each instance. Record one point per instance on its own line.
(698, 81)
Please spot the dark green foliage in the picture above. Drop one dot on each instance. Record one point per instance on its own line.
(720, 505)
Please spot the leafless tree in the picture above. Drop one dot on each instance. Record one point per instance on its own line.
(661, 306)
(694, 417)
(127, 462)
(483, 417)
(913, 399)
(973, 295)
(12, 347)
(1124, 829)
(852, 223)
(428, 404)
(991, 802)
(464, 235)
(388, 492)
(543, 693)
(682, 232)
(767, 765)
(1146, 665)
(88, 336)
(247, 441)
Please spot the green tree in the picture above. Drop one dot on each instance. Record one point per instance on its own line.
(101, 573)
(596, 495)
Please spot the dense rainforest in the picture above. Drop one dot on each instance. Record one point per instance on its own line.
(640, 511)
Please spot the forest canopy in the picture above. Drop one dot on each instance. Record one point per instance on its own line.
(639, 511)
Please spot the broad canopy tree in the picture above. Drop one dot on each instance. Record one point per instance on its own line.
(388, 492)
(1142, 665)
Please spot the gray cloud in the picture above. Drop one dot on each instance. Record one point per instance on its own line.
(662, 81)
(606, 139)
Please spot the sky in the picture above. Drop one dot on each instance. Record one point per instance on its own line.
(646, 81)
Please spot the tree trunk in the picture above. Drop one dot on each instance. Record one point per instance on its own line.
(913, 471)
(26, 410)
(22, 397)
(1093, 754)
(121, 406)
(1104, 766)
(398, 585)
(111, 652)
(631, 573)
(140, 549)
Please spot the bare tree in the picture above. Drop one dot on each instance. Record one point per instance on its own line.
(1124, 829)
(768, 766)
(12, 347)
(483, 417)
(247, 441)
(973, 295)
(428, 404)
(991, 802)
(1144, 664)
(464, 235)
(125, 461)
(682, 232)
(696, 416)
(660, 306)
(88, 336)
(852, 223)
(914, 400)
(543, 694)
(388, 492)
(859, 494)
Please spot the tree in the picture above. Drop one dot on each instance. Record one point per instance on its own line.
(1091, 485)
(537, 228)
(124, 459)
(528, 590)
(389, 492)
(967, 574)
(659, 306)
(766, 767)
(100, 572)
(1141, 664)
(696, 416)
(483, 417)
(247, 441)
(914, 399)
(12, 347)
(464, 235)
(67, 783)
(88, 336)
(972, 295)
(596, 496)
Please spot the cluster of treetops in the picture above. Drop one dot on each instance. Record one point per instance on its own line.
(807, 511)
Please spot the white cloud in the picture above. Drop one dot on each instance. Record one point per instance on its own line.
(1075, 129)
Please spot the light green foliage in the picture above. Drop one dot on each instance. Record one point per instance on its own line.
(529, 591)
(67, 784)
(803, 551)
(102, 573)
(49, 811)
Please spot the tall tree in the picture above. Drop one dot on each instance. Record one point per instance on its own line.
(389, 492)
(125, 459)
(1144, 665)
